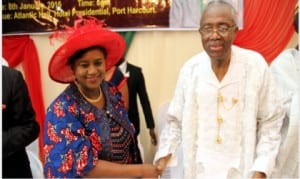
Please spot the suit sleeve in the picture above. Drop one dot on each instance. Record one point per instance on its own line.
(20, 128)
(143, 96)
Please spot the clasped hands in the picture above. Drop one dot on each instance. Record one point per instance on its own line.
(156, 170)
(161, 164)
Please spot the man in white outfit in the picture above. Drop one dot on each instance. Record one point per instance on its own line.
(225, 111)
(286, 71)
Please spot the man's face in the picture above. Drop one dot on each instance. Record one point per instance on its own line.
(217, 29)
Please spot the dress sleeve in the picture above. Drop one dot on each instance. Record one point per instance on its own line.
(69, 151)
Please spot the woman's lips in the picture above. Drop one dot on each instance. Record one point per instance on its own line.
(92, 79)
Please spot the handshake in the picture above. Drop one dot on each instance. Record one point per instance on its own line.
(156, 170)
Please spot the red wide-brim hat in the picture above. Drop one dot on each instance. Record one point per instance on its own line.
(90, 34)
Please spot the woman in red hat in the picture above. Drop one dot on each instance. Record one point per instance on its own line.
(87, 130)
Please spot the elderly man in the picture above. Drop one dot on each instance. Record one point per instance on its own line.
(225, 110)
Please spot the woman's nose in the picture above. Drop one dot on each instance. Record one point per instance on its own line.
(92, 69)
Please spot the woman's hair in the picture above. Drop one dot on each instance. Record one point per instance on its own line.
(81, 52)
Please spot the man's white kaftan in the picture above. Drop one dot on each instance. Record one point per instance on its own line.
(250, 111)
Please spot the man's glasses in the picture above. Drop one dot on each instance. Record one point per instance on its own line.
(222, 30)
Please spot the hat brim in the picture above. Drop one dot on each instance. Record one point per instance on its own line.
(114, 44)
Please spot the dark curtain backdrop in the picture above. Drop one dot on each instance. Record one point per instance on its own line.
(267, 28)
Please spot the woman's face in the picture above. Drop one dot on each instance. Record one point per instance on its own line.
(89, 69)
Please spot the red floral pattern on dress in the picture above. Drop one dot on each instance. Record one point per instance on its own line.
(52, 133)
(88, 117)
(68, 134)
(82, 160)
(95, 156)
(81, 131)
(66, 165)
(47, 149)
(49, 174)
(72, 108)
(95, 139)
(58, 110)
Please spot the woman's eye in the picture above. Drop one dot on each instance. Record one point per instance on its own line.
(84, 65)
(98, 63)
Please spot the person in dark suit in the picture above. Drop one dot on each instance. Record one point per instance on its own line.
(117, 78)
(19, 127)
(137, 87)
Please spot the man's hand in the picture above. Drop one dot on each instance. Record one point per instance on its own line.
(153, 136)
(162, 163)
(259, 175)
(149, 171)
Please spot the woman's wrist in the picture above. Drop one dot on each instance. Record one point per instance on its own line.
(141, 171)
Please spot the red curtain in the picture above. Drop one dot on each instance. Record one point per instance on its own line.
(268, 26)
(21, 50)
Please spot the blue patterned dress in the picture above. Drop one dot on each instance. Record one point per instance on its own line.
(77, 134)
